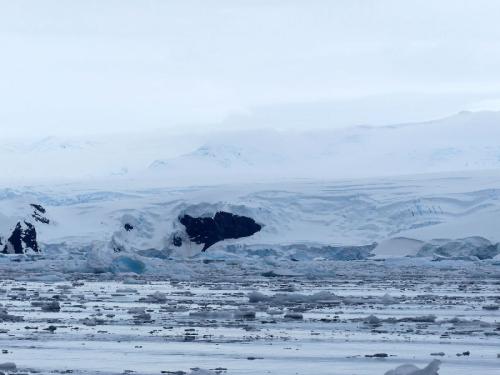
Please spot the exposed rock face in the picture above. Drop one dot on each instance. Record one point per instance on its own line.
(23, 238)
(38, 213)
(176, 241)
(38, 208)
(224, 225)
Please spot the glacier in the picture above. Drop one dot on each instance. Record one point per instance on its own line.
(304, 225)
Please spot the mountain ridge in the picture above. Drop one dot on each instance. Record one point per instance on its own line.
(462, 142)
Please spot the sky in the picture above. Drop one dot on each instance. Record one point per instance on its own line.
(76, 67)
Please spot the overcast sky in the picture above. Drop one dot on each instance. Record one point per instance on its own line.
(76, 67)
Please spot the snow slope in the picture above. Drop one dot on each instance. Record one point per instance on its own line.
(420, 216)
(467, 141)
(116, 199)
(463, 142)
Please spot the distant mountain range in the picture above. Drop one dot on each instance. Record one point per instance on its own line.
(463, 142)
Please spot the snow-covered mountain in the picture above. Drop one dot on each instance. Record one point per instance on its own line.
(114, 203)
(464, 142)
(294, 225)
(467, 141)
(18, 233)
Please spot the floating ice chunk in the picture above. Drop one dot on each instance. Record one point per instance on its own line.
(420, 319)
(139, 314)
(372, 319)
(6, 317)
(64, 287)
(54, 277)
(244, 314)
(274, 311)
(156, 297)
(256, 297)
(210, 314)
(126, 290)
(144, 317)
(8, 366)
(294, 316)
(199, 371)
(51, 307)
(285, 298)
(438, 354)
(492, 307)
(136, 310)
(388, 299)
(431, 369)
(132, 281)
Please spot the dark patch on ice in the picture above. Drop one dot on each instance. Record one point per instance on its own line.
(224, 225)
(128, 227)
(22, 239)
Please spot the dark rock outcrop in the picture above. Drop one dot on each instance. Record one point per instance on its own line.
(38, 213)
(38, 208)
(224, 225)
(177, 241)
(23, 238)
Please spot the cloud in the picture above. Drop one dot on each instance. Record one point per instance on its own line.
(105, 66)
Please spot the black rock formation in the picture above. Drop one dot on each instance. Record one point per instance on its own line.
(21, 239)
(38, 213)
(15, 240)
(224, 225)
(38, 208)
(177, 241)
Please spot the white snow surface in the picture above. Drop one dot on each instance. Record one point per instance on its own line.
(303, 222)
(463, 142)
